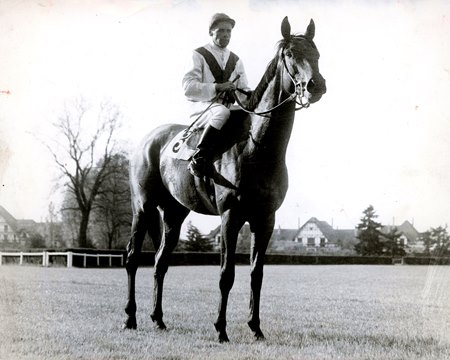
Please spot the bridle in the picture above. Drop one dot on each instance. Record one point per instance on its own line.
(299, 89)
(297, 94)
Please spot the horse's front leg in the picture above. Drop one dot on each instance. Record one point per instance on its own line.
(231, 224)
(261, 232)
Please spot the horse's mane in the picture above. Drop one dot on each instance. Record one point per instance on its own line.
(271, 69)
(257, 94)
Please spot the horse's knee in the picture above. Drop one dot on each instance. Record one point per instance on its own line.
(256, 273)
(131, 264)
(130, 308)
(161, 267)
(227, 279)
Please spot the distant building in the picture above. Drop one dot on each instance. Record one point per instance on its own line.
(12, 231)
(18, 233)
(313, 235)
(243, 240)
(409, 236)
(316, 235)
(319, 234)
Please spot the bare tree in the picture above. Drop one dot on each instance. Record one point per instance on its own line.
(84, 141)
(112, 214)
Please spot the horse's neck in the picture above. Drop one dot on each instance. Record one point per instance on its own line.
(270, 136)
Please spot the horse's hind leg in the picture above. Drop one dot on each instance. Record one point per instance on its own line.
(142, 220)
(174, 215)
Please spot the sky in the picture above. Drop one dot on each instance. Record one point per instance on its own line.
(380, 135)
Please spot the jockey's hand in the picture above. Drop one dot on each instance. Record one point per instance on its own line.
(225, 87)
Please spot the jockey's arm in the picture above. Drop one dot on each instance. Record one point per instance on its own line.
(241, 84)
(198, 84)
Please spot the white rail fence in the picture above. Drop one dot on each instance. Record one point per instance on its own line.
(46, 255)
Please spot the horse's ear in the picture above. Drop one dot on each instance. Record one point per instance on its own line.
(310, 30)
(286, 28)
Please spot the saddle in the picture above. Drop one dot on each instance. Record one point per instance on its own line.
(184, 144)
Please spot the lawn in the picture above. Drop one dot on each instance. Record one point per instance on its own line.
(307, 312)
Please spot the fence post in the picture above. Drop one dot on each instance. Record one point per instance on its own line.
(98, 260)
(44, 260)
(69, 259)
(84, 260)
(21, 258)
(121, 260)
(110, 260)
(1, 258)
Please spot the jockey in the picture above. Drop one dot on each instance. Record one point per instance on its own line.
(215, 71)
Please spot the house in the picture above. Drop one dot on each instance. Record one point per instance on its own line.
(409, 236)
(316, 235)
(284, 234)
(12, 233)
(319, 234)
(243, 240)
(19, 233)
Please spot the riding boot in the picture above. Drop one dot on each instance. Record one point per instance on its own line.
(201, 162)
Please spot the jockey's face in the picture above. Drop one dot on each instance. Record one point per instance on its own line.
(221, 34)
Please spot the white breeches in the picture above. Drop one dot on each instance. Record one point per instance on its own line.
(216, 116)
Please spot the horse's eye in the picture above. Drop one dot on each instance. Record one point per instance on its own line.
(288, 53)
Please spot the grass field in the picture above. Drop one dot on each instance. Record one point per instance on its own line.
(307, 312)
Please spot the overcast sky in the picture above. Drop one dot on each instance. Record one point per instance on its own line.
(380, 135)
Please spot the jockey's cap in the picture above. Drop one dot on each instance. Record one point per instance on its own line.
(220, 17)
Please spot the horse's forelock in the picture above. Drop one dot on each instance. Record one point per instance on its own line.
(300, 45)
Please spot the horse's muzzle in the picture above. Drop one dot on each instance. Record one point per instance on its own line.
(316, 87)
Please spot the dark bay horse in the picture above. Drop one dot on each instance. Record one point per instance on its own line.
(249, 183)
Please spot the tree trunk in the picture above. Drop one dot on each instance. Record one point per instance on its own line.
(110, 239)
(82, 235)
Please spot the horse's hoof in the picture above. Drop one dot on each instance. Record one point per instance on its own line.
(129, 324)
(256, 331)
(259, 336)
(158, 323)
(220, 326)
(223, 337)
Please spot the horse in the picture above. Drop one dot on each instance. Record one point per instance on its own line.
(248, 185)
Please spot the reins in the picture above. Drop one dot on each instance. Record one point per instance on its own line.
(297, 93)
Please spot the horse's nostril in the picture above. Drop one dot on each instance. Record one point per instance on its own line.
(316, 86)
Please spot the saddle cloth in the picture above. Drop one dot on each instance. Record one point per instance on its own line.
(184, 144)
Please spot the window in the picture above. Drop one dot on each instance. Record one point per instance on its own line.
(311, 242)
(322, 242)
(6, 228)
